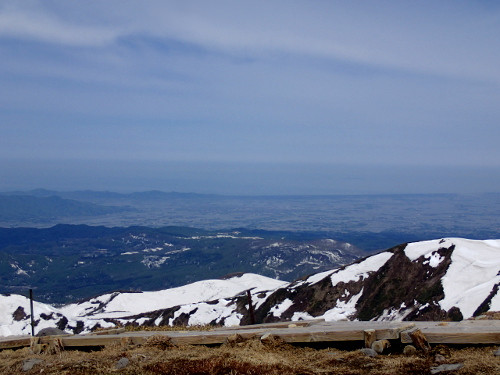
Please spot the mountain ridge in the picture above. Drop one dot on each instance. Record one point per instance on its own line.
(444, 279)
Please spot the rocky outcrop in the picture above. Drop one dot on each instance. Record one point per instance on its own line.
(402, 283)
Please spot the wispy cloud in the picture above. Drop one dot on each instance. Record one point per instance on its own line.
(449, 38)
(37, 24)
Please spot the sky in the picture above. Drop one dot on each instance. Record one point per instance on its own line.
(250, 97)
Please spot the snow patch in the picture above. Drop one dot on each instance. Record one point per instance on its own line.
(471, 275)
(152, 250)
(153, 261)
(343, 309)
(357, 271)
(415, 250)
(299, 315)
(19, 270)
(281, 308)
(317, 277)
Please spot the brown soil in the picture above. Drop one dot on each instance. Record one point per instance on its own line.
(159, 356)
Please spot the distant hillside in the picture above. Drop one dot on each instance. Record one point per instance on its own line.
(26, 207)
(69, 262)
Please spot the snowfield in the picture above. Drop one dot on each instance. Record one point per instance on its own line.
(125, 304)
(472, 274)
(10, 303)
(117, 305)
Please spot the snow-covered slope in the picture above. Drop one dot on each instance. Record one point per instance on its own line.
(14, 315)
(118, 304)
(472, 274)
(449, 278)
(432, 280)
(98, 310)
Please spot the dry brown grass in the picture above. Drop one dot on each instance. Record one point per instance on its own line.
(490, 315)
(133, 328)
(252, 357)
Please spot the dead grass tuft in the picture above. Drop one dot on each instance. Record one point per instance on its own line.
(489, 315)
(159, 342)
(216, 365)
(133, 328)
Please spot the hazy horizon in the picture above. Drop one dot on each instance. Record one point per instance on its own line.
(247, 178)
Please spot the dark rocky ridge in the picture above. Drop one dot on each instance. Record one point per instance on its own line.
(400, 289)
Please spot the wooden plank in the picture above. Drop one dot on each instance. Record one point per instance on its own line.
(454, 336)
(419, 340)
(318, 335)
(300, 323)
(370, 337)
(11, 342)
(345, 331)
(113, 331)
(466, 332)
(434, 332)
(463, 337)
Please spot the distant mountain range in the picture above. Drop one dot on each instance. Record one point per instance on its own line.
(18, 208)
(450, 278)
(92, 195)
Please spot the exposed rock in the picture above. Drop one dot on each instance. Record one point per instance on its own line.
(50, 332)
(79, 327)
(497, 353)
(122, 363)
(439, 358)
(369, 352)
(381, 290)
(266, 337)
(19, 314)
(29, 363)
(381, 345)
(446, 368)
(46, 316)
(183, 319)
(485, 306)
(62, 323)
(409, 350)
(394, 284)
(455, 314)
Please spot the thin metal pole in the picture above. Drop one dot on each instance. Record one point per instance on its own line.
(32, 314)
(250, 308)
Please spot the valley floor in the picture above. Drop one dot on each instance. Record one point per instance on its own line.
(158, 356)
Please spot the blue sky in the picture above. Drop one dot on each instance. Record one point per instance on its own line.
(243, 97)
